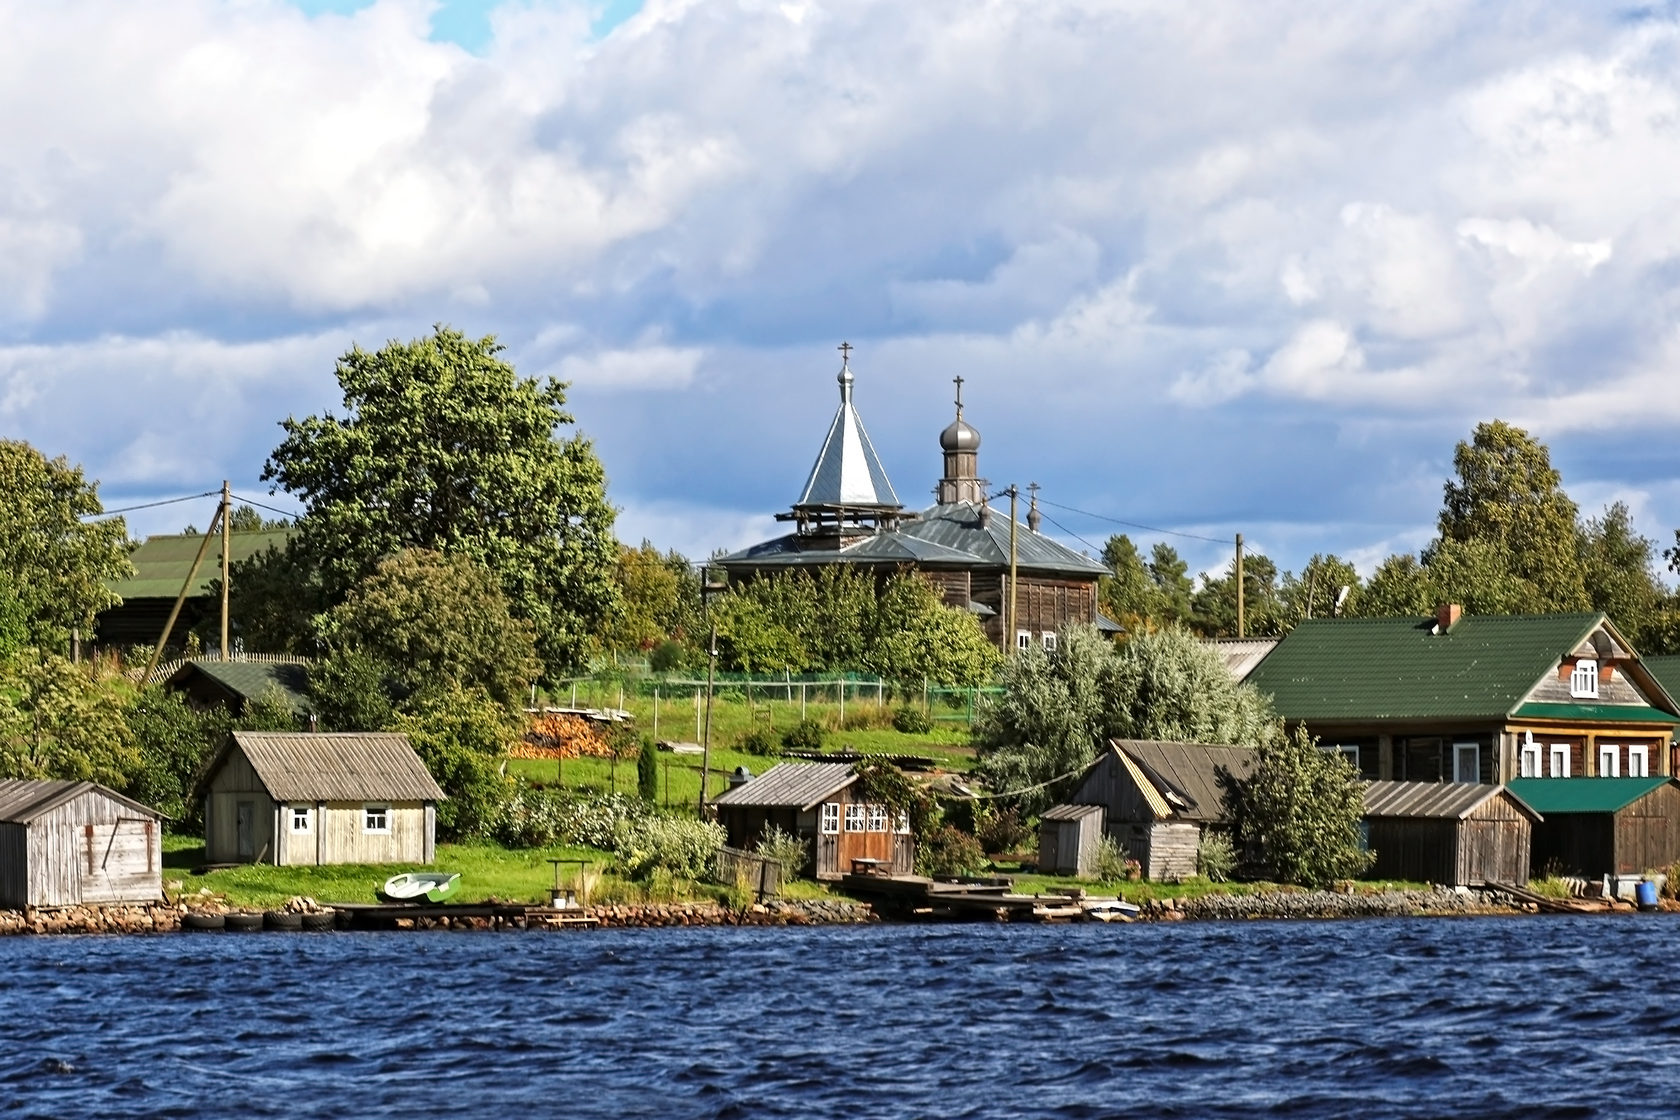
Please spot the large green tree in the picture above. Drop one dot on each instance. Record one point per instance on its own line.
(443, 446)
(59, 720)
(54, 562)
(1619, 565)
(660, 600)
(1129, 593)
(1507, 495)
(1215, 603)
(1296, 817)
(1328, 587)
(1172, 579)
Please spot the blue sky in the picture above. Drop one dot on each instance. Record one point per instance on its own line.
(1211, 268)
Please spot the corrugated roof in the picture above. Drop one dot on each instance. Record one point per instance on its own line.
(1553, 796)
(1666, 670)
(847, 472)
(1241, 655)
(1070, 812)
(161, 564)
(1187, 774)
(797, 784)
(339, 766)
(1434, 800)
(1597, 713)
(22, 799)
(251, 679)
(1399, 668)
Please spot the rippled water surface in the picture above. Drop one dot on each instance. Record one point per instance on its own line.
(1468, 1017)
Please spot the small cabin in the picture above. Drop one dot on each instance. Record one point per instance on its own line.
(818, 802)
(297, 798)
(1159, 797)
(1459, 834)
(1603, 826)
(1068, 837)
(76, 844)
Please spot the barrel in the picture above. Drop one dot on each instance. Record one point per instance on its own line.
(1645, 894)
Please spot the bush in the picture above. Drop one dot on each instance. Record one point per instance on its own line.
(1297, 816)
(647, 771)
(947, 851)
(1216, 856)
(912, 721)
(1111, 862)
(682, 847)
(540, 818)
(760, 741)
(789, 851)
(667, 656)
(806, 735)
(1002, 832)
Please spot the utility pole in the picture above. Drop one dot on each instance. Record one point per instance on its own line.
(1240, 631)
(706, 740)
(227, 513)
(175, 611)
(1009, 637)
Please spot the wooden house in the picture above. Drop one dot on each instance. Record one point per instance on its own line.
(76, 844)
(1603, 826)
(1467, 698)
(1158, 798)
(848, 514)
(818, 802)
(1068, 836)
(297, 798)
(162, 565)
(1459, 834)
(209, 682)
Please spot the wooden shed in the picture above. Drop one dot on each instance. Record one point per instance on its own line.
(1068, 836)
(76, 844)
(1158, 798)
(297, 798)
(1603, 826)
(1459, 834)
(818, 803)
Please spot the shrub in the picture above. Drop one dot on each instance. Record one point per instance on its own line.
(806, 735)
(1002, 832)
(677, 845)
(789, 851)
(1111, 862)
(540, 818)
(1298, 814)
(912, 721)
(647, 771)
(760, 741)
(947, 851)
(666, 656)
(1216, 856)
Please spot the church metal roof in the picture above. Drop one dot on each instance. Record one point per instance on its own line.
(847, 474)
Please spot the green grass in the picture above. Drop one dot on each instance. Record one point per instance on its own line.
(1194, 887)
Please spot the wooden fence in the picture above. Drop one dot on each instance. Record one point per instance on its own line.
(733, 865)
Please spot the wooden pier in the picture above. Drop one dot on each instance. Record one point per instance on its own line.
(977, 900)
(484, 915)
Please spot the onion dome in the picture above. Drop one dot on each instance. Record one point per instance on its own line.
(959, 435)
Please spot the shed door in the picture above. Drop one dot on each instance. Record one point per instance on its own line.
(119, 859)
(243, 815)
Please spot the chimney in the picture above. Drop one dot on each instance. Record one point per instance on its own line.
(1446, 615)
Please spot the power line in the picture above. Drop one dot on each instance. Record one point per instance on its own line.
(1071, 533)
(271, 509)
(151, 505)
(1134, 524)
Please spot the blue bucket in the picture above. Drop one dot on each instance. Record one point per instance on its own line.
(1645, 894)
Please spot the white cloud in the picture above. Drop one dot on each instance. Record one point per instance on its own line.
(643, 367)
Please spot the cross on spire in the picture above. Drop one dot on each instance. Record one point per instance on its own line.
(959, 380)
(845, 349)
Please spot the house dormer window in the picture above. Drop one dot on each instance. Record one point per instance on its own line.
(1583, 681)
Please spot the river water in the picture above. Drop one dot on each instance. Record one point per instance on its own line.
(1483, 1017)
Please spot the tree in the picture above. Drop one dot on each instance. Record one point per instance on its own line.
(1128, 593)
(274, 597)
(57, 720)
(55, 562)
(351, 691)
(1215, 605)
(432, 621)
(914, 636)
(1171, 686)
(246, 519)
(1399, 587)
(1619, 569)
(461, 735)
(1507, 494)
(647, 770)
(1317, 592)
(444, 447)
(1296, 816)
(650, 593)
(1172, 580)
(1478, 575)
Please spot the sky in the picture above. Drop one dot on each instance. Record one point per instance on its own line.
(1210, 268)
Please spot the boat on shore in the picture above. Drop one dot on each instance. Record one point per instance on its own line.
(420, 886)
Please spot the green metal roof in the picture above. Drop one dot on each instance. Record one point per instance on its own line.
(251, 679)
(161, 564)
(1666, 669)
(1598, 713)
(1399, 668)
(1582, 795)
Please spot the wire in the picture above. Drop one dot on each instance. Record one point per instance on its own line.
(151, 505)
(1071, 533)
(1135, 525)
(292, 513)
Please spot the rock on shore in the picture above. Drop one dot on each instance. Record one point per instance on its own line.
(1327, 904)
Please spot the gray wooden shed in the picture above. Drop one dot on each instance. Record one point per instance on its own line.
(1159, 797)
(301, 798)
(1068, 836)
(68, 843)
(1459, 834)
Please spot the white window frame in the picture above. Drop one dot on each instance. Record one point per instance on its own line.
(302, 819)
(856, 818)
(1049, 640)
(1609, 760)
(1474, 752)
(877, 818)
(1349, 751)
(1559, 760)
(1023, 640)
(1533, 760)
(376, 820)
(830, 825)
(901, 825)
(1583, 679)
(1639, 760)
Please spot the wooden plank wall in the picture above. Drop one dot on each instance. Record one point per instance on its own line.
(14, 864)
(1171, 850)
(1647, 833)
(92, 849)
